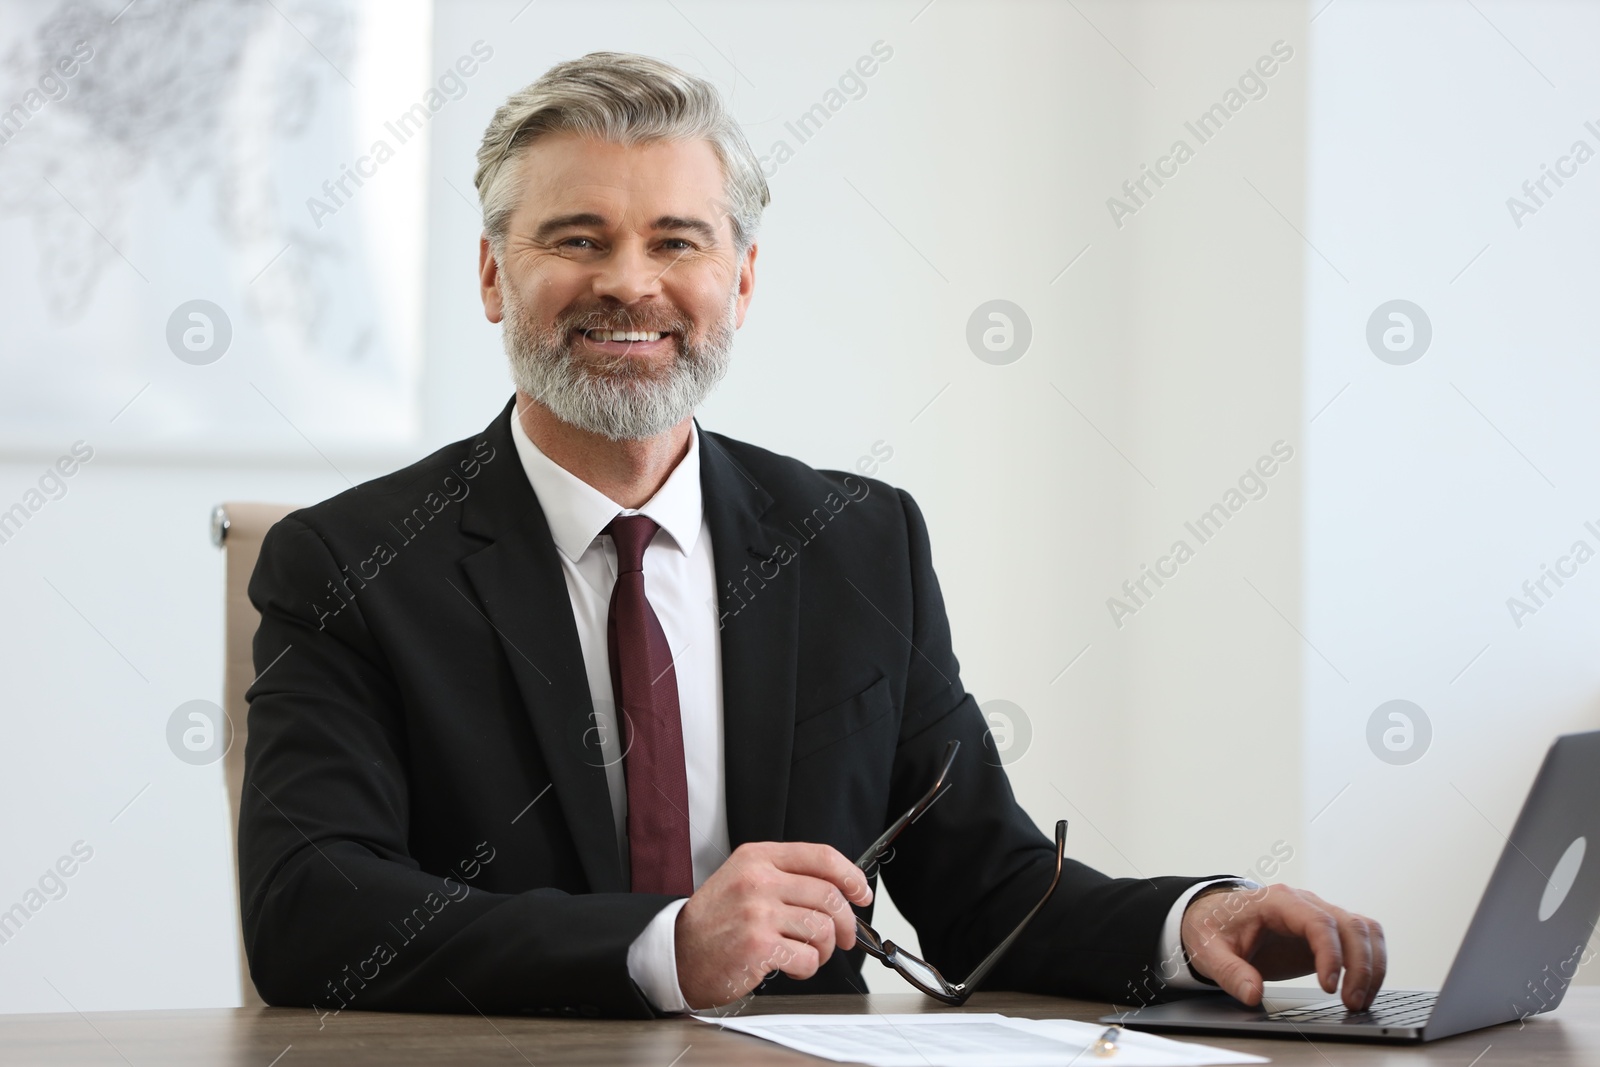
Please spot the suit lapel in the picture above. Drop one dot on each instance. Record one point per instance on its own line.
(516, 582)
(760, 629)
(519, 587)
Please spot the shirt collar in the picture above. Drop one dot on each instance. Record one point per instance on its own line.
(577, 512)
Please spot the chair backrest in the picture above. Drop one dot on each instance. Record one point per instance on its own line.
(238, 529)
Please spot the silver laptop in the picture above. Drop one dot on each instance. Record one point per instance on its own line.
(1527, 938)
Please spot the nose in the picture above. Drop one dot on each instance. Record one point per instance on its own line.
(628, 274)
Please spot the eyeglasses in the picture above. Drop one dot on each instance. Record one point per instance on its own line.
(919, 972)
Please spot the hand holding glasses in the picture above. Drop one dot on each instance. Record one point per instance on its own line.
(919, 972)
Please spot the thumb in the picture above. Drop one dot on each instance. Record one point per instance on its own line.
(1231, 972)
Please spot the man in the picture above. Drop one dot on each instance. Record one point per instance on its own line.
(442, 810)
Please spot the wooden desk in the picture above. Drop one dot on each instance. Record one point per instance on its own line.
(289, 1037)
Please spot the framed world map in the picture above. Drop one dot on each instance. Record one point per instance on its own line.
(212, 223)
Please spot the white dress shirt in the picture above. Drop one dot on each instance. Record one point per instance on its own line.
(680, 582)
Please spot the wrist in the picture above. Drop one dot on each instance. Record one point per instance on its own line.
(653, 961)
(1202, 925)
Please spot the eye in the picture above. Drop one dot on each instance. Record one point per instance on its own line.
(568, 242)
(676, 244)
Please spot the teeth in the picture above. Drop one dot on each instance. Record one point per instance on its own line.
(624, 335)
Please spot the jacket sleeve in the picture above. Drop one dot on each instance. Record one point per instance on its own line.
(975, 863)
(337, 914)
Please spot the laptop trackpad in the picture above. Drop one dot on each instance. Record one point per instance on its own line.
(1221, 1008)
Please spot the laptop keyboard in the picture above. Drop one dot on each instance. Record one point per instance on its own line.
(1389, 1008)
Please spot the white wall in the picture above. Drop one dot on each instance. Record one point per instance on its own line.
(1171, 355)
(1435, 489)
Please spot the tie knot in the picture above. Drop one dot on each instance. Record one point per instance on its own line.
(632, 534)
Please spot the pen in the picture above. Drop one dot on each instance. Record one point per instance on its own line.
(1106, 1043)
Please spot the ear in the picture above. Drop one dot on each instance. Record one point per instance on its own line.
(489, 282)
(747, 283)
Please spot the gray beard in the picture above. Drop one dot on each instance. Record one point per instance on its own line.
(619, 399)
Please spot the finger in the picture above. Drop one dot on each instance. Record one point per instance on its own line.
(796, 959)
(1357, 949)
(1229, 970)
(1380, 959)
(825, 862)
(811, 926)
(819, 896)
(1313, 922)
(1360, 978)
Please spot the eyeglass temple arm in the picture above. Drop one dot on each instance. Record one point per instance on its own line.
(993, 958)
(870, 856)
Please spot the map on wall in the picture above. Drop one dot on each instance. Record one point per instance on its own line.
(202, 247)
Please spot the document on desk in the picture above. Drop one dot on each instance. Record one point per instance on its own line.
(962, 1039)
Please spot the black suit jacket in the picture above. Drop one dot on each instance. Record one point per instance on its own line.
(426, 825)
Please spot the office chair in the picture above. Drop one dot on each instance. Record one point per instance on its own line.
(238, 529)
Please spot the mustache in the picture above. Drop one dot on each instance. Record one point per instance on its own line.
(601, 320)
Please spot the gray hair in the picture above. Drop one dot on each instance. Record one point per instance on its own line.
(623, 98)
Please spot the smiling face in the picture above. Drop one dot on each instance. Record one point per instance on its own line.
(618, 281)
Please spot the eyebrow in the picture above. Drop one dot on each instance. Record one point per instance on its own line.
(588, 218)
(678, 222)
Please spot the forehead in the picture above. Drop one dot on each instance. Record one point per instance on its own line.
(565, 173)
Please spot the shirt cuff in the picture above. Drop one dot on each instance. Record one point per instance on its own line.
(1172, 962)
(653, 960)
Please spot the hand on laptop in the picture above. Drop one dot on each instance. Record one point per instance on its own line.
(1238, 937)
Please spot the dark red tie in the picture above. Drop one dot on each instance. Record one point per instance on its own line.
(646, 689)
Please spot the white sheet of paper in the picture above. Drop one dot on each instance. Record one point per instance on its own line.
(963, 1039)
